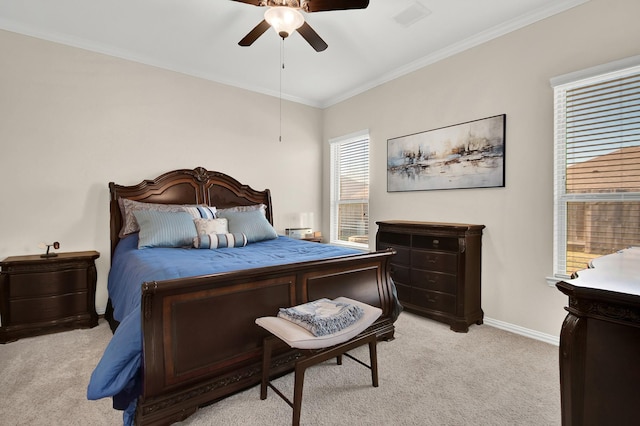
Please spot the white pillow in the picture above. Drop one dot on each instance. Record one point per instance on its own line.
(211, 226)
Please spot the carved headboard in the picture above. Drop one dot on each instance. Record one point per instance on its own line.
(184, 186)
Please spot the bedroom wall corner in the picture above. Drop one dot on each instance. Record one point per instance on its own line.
(508, 75)
(72, 120)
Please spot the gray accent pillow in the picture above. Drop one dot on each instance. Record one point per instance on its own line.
(130, 224)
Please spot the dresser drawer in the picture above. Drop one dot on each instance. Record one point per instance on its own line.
(47, 283)
(436, 281)
(434, 300)
(393, 238)
(402, 256)
(27, 311)
(400, 274)
(404, 292)
(434, 261)
(436, 243)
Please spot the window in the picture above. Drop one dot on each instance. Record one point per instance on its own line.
(350, 190)
(597, 164)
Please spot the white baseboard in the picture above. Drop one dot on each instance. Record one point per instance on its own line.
(547, 338)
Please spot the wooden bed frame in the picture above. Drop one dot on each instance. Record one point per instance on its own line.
(200, 342)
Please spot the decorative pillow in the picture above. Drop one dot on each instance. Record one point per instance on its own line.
(201, 212)
(253, 224)
(250, 208)
(211, 226)
(130, 224)
(165, 229)
(215, 241)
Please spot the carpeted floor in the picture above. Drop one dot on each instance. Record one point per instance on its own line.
(429, 375)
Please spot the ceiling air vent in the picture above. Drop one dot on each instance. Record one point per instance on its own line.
(412, 14)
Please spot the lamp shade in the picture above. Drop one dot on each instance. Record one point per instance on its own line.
(284, 20)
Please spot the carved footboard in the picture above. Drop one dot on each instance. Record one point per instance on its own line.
(200, 340)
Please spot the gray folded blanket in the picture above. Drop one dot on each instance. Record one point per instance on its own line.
(323, 316)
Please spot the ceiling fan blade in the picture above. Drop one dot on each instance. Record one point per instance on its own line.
(325, 5)
(254, 33)
(253, 2)
(312, 37)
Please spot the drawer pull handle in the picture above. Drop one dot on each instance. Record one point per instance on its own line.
(436, 242)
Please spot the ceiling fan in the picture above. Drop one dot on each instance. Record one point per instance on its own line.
(285, 17)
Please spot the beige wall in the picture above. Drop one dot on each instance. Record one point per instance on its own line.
(509, 75)
(71, 121)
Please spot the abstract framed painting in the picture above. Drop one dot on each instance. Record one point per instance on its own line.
(465, 155)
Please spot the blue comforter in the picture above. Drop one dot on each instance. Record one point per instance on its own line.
(117, 374)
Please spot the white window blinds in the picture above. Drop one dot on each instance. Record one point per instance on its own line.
(597, 177)
(350, 190)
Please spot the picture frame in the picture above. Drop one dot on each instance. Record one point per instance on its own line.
(465, 155)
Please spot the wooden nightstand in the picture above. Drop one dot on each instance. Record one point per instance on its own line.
(43, 295)
(313, 239)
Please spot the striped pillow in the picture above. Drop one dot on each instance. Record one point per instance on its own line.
(215, 241)
(253, 224)
(165, 229)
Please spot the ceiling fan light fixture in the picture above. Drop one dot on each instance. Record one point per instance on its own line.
(284, 20)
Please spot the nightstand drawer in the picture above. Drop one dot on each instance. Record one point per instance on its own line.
(26, 311)
(46, 283)
(46, 294)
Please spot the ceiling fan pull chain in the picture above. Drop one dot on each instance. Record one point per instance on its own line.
(281, 68)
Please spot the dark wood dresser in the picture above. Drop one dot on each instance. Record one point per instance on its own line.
(600, 343)
(42, 295)
(437, 269)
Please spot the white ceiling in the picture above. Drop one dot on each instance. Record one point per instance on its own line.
(200, 37)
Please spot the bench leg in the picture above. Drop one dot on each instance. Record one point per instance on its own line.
(373, 358)
(297, 393)
(266, 365)
(310, 360)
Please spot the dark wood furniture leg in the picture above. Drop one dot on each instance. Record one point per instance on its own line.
(311, 358)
